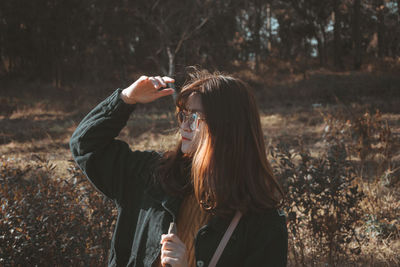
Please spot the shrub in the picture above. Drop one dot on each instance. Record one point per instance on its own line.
(49, 221)
(367, 138)
(335, 217)
(329, 221)
(322, 200)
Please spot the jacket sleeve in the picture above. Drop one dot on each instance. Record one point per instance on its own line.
(110, 165)
(272, 246)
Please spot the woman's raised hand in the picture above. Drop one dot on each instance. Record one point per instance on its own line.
(146, 89)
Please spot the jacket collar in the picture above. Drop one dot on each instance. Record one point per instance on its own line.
(173, 203)
(169, 203)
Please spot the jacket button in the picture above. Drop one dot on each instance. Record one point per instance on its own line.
(200, 263)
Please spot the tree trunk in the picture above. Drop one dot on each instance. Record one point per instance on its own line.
(397, 38)
(256, 32)
(398, 6)
(3, 68)
(305, 58)
(379, 7)
(171, 62)
(324, 41)
(336, 36)
(10, 64)
(320, 50)
(269, 28)
(356, 34)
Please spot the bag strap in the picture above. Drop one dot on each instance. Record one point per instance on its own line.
(225, 239)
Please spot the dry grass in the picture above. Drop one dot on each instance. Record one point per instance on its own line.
(383, 244)
(290, 112)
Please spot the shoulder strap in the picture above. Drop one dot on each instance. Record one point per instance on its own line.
(225, 239)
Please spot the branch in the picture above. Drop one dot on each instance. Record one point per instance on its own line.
(186, 36)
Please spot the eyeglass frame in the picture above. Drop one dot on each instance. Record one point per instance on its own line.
(186, 114)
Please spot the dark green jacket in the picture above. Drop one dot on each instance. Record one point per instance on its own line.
(145, 211)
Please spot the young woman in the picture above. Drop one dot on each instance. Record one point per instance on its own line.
(219, 169)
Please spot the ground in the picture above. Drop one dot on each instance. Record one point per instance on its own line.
(37, 121)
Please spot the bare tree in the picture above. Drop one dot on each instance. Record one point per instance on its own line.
(337, 34)
(316, 15)
(380, 9)
(357, 34)
(174, 23)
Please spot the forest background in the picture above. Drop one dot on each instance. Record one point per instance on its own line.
(326, 77)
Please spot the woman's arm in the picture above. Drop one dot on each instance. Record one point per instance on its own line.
(109, 163)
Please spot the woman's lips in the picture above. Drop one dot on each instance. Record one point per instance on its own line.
(186, 139)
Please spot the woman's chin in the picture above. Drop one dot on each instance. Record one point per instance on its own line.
(186, 148)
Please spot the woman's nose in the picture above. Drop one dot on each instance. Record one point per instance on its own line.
(186, 126)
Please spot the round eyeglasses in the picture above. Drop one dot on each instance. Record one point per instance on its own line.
(192, 118)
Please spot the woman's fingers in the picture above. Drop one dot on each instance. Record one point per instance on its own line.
(172, 242)
(173, 251)
(170, 237)
(170, 246)
(147, 89)
(160, 81)
(168, 79)
(165, 92)
(170, 261)
(155, 82)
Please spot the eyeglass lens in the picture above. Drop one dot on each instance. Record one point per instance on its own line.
(190, 118)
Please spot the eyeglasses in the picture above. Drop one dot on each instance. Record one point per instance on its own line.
(192, 118)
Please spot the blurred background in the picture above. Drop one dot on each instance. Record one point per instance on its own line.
(326, 75)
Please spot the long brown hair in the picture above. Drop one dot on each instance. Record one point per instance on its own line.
(229, 170)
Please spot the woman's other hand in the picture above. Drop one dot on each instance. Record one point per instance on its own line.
(173, 251)
(146, 89)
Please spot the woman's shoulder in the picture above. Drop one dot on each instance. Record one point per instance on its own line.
(266, 214)
(268, 226)
(267, 220)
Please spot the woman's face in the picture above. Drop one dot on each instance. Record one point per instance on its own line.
(191, 124)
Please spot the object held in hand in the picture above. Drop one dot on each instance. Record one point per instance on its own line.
(172, 228)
